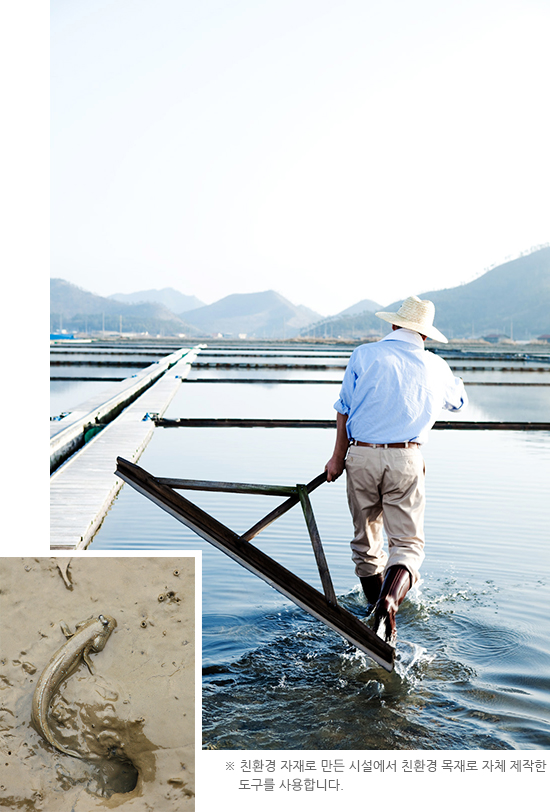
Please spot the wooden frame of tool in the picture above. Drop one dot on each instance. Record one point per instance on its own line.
(163, 492)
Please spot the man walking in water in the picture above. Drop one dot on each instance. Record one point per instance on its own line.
(392, 393)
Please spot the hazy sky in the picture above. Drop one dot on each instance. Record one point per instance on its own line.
(332, 151)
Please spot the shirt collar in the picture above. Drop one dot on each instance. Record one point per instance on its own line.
(405, 335)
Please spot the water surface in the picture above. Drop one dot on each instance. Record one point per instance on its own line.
(473, 653)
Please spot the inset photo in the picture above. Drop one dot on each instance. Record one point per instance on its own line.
(98, 675)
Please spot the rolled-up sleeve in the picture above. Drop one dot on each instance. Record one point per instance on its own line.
(343, 404)
(455, 395)
(452, 388)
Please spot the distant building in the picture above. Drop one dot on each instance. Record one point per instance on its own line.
(545, 337)
(494, 338)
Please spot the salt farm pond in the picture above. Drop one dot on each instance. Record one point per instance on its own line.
(473, 651)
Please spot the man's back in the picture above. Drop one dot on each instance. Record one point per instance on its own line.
(394, 390)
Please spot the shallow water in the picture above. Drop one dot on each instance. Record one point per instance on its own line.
(272, 400)
(473, 651)
(67, 395)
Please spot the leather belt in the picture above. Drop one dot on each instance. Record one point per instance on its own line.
(383, 445)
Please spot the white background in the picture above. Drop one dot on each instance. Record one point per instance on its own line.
(480, 229)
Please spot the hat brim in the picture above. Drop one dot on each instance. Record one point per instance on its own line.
(426, 330)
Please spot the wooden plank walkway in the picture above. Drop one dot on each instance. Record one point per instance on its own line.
(83, 488)
(67, 435)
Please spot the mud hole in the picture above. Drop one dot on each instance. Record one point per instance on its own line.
(132, 721)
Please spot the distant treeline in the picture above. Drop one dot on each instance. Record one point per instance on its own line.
(99, 322)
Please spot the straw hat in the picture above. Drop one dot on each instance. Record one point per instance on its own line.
(415, 314)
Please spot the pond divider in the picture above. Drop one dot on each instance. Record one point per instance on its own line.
(267, 423)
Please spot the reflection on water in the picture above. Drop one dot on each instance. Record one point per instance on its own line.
(473, 650)
(316, 402)
(66, 395)
(304, 688)
(473, 653)
(299, 400)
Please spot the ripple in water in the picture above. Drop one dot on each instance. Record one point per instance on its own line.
(300, 686)
(485, 643)
(306, 688)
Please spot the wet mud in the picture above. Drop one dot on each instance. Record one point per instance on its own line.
(131, 722)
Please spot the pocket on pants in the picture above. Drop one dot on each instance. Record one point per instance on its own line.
(350, 458)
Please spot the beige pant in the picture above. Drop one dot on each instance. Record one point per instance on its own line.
(386, 490)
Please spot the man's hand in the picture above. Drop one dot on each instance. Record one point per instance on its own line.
(334, 468)
(336, 464)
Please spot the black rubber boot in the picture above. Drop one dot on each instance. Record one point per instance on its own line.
(372, 584)
(396, 584)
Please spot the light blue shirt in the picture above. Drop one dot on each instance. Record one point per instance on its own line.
(393, 390)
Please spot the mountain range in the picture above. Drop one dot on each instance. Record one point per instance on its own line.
(169, 297)
(512, 299)
(79, 311)
(262, 315)
(259, 315)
